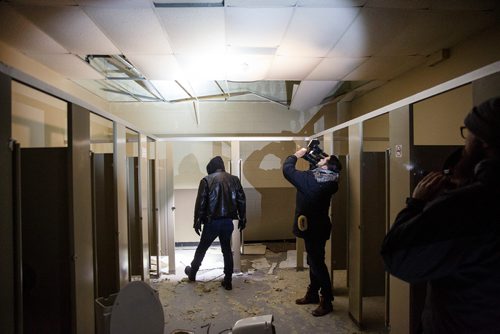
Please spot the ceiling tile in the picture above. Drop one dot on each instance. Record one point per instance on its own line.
(313, 31)
(335, 68)
(384, 68)
(194, 30)
(291, 68)
(260, 3)
(414, 4)
(203, 66)
(69, 66)
(425, 32)
(116, 3)
(157, 67)
(331, 3)
(247, 67)
(71, 27)
(18, 32)
(45, 2)
(370, 31)
(256, 27)
(133, 30)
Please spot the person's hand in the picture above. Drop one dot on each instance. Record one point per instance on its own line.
(300, 153)
(242, 223)
(197, 226)
(429, 186)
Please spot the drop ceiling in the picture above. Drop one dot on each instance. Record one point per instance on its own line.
(296, 53)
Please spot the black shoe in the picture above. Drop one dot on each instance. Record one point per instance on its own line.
(227, 284)
(191, 274)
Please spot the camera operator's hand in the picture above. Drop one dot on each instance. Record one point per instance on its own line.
(300, 153)
(429, 186)
(242, 223)
(197, 226)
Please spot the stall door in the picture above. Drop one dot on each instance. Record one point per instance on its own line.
(45, 241)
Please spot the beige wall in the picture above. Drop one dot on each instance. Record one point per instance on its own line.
(270, 198)
(376, 134)
(437, 120)
(38, 119)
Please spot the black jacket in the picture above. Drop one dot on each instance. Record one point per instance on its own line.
(453, 243)
(220, 195)
(312, 200)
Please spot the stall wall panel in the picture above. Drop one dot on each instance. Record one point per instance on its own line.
(47, 262)
(81, 218)
(105, 229)
(339, 220)
(398, 295)
(7, 287)
(121, 207)
(355, 279)
(134, 221)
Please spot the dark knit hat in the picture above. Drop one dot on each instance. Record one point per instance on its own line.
(215, 164)
(484, 121)
(334, 164)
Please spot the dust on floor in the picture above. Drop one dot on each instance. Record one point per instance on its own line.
(263, 287)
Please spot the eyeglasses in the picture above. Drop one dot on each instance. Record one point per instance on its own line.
(464, 132)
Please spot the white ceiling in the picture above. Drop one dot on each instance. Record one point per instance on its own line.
(317, 42)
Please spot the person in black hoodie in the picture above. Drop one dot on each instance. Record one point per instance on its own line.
(220, 199)
(315, 188)
(451, 239)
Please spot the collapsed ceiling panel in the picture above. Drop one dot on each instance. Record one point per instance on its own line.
(157, 67)
(291, 68)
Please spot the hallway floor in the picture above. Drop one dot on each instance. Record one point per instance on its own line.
(267, 284)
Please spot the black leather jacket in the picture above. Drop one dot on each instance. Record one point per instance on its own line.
(220, 195)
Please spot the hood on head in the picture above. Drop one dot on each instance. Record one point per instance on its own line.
(215, 164)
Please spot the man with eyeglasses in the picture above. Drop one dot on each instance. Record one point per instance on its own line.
(451, 239)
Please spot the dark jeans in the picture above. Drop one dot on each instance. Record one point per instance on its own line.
(222, 228)
(318, 271)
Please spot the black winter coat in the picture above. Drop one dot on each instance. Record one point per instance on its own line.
(220, 195)
(453, 243)
(312, 200)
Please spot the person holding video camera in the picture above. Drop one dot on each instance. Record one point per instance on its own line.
(315, 188)
(451, 238)
(220, 199)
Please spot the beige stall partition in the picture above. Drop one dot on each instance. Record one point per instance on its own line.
(398, 294)
(355, 230)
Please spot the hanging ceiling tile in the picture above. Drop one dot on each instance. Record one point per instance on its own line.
(335, 68)
(291, 68)
(68, 65)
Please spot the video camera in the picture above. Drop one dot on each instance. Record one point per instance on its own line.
(314, 153)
